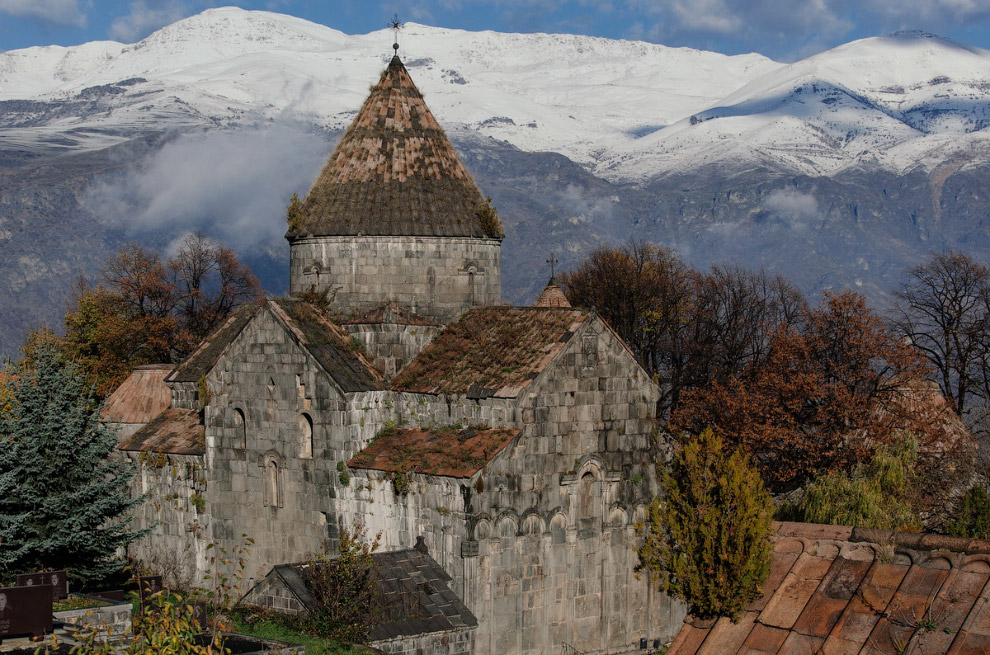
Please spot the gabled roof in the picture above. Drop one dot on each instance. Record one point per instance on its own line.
(413, 588)
(391, 313)
(491, 351)
(174, 431)
(328, 344)
(142, 396)
(835, 589)
(453, 452)
(394, 173)
(203, 358)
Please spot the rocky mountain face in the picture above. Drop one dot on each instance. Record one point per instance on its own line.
(841, 170)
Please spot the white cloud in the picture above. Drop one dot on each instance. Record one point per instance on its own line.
(792, 206)
(232, 185)
(145, 17)
(62, 12)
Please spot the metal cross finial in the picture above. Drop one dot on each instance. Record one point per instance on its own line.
(395, 24)
(553, 261)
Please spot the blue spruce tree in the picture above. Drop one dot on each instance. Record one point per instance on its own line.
(63, 498)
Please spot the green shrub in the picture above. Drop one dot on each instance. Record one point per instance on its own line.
(872, 496)
(345, 589)
(973, 519)
(709, 534)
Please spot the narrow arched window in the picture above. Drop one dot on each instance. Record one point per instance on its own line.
(305, 436)
(240, 429)
(271, 483)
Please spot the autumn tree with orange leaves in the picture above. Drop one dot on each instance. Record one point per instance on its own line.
(823, 398)
(147, 310)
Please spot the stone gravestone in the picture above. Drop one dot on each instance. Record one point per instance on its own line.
(25, 610)
(110, 594)
(148, 586)
(57, 579)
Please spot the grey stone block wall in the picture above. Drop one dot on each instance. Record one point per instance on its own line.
(453, 642)
(175, 489)
(436, 277)
(393, 346)
(274, 597)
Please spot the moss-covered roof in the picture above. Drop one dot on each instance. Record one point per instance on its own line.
(174, 431)
(453, 451)
(329, 344)
(393, 173)
(491, 351)
(203, 358)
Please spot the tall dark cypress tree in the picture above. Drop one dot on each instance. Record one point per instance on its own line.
(63, 498)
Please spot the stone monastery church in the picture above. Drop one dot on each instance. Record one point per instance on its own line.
(505, 454)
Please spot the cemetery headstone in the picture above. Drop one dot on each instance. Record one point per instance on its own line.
(148, 586)
(25, 610)
(58, 580)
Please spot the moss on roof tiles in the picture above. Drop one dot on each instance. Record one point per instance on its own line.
(203, 358)
(393, 173)
(491, 349)
(454, 452)
(330, 346)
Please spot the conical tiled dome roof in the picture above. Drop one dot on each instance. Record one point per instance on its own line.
(394, 173)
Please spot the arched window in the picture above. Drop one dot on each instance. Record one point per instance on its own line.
(271, 472)
(305, 436)
(240, 429)
(590, 501)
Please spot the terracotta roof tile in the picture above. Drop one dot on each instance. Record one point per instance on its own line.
(455, 453)
(491, 351)
(142, 396)
(394, 172)
(174, 431)
(728, 637)
(836, 598)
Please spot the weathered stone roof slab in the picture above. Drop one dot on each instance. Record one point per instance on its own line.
(394, 173)
(203, 358)
(142, 396)
(491, 351)
(329, 344)
(173, 432)
(450, 452)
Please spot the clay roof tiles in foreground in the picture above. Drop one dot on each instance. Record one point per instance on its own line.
(174, 432)
(141, 397)
(393, 173)
(491, 351)
(837, 590)
(450, 452)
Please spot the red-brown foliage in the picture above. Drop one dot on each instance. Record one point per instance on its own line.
(826, 392)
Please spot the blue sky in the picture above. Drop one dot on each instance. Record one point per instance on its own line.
(781, 29)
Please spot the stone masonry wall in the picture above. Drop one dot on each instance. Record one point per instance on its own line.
(436, 277)
(176, 510)
(452, 642)
(392, 346)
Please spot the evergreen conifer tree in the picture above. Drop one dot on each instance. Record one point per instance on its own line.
(709, 534)
(63, 498)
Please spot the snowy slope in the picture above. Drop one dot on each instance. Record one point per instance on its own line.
(628, 111)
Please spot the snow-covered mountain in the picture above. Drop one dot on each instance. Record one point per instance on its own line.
(629, 111)
(842, 169)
